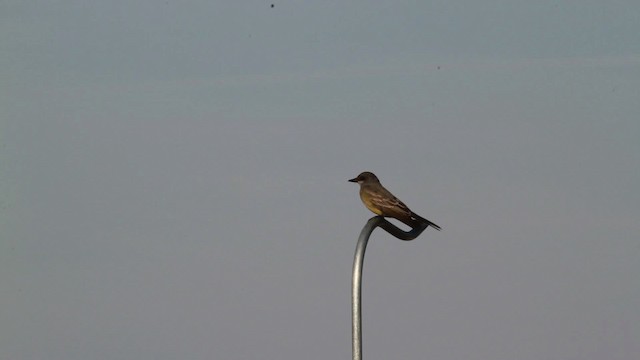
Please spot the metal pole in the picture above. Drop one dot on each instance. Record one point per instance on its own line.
(358, 260)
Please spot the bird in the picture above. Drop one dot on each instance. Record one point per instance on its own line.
(382, 202)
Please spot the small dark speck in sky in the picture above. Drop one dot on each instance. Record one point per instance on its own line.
(272, 5)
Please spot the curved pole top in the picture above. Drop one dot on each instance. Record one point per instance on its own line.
(394, 230)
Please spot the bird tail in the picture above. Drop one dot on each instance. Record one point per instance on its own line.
(425, 221)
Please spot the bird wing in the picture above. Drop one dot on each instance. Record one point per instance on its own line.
(389, 204)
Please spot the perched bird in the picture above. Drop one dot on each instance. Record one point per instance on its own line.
(382, 202)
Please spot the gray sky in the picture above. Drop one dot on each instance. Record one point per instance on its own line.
(173, 178)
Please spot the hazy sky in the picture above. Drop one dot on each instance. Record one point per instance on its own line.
(173, 178)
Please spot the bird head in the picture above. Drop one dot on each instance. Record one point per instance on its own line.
(365, 177)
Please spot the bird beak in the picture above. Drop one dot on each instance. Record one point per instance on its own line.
(354, 180)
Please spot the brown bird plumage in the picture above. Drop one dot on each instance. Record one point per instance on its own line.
(382, 202)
